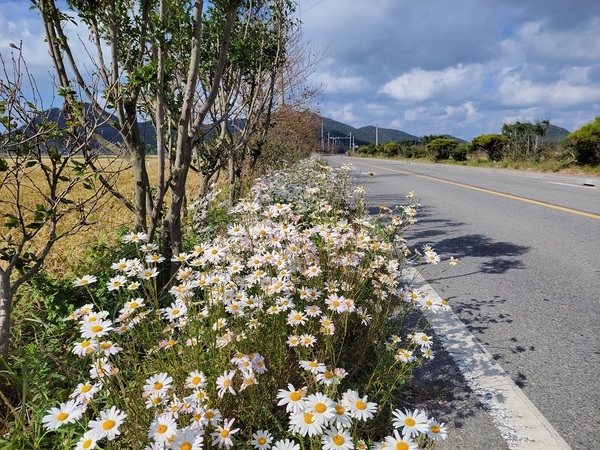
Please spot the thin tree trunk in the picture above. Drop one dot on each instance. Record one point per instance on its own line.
(5, 311)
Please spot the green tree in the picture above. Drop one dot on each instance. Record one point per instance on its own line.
(586, 143)
(430, 137)
(524, 139)
(166, 60)
(442, 148)
(491, 144)
(390, 149)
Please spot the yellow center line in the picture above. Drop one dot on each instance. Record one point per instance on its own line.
(489, 191)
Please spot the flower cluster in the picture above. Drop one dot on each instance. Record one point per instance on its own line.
(299, 269)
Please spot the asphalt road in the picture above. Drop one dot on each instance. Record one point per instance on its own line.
(528, 279)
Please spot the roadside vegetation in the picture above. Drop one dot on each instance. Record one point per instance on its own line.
(519, 146)
(181, 291)
(285, 326)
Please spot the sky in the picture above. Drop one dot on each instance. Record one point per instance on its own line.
(459, 67)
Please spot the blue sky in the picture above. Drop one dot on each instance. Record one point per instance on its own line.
(462, 67)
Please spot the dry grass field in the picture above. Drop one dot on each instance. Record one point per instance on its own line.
(103, 223)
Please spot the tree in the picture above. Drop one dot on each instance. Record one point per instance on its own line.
(47, 191)
(491, 144)
(255, 60)
(166, 60)
(586, 143)
(523, 140)
(442, 148)
(430, 137)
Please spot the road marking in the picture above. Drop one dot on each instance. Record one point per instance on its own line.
(489, 191)
(519, 421)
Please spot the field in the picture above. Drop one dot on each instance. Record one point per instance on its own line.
(104, 223)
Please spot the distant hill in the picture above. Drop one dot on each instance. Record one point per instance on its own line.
(339, 132)
(555, 134)
(106, 129)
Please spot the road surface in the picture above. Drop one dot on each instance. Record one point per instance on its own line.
(528, 280)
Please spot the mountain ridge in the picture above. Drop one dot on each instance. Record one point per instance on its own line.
(366, 135)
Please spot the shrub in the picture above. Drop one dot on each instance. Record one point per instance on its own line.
(415, 151)
(442, 148)
(460, 153)
(492, 144)
(586, 143)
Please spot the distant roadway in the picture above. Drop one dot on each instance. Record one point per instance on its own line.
(527, 283)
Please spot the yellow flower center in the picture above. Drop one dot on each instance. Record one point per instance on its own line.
(308, 418)
(320, 408)
(162, 428)
(410, 422)
(434, 429)
(196, 380)
(186, 446)
(86, 388)
(96, 328)
(261, 441)
(87, 443)
(339, 409)
(295, 396)
(210, 414)
(106, 345)
(313, 364)
(175, 312)
(227, 383)
(328, 374)
(224, 433)
(157, 386)
(338, 439)
(401, 446)
(361, 405)
(133, 305)
(108, 424)
(62, 416)
(85, 344)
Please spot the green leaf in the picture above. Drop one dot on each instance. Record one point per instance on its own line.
(11, 221)
(34, 225)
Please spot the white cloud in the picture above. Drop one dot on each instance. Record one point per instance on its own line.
(344, 113)
(537, 40)
(335, 84)
(420, 85)
(514, 90)
(464, 113)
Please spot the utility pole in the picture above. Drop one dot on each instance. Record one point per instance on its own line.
(322, 141)
(376, 136)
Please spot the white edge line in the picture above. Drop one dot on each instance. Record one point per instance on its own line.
(519, 421)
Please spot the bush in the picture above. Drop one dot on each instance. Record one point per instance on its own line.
(460, 153)
(492, 144)
(442, 148)
(586, 143)
(415, 151)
